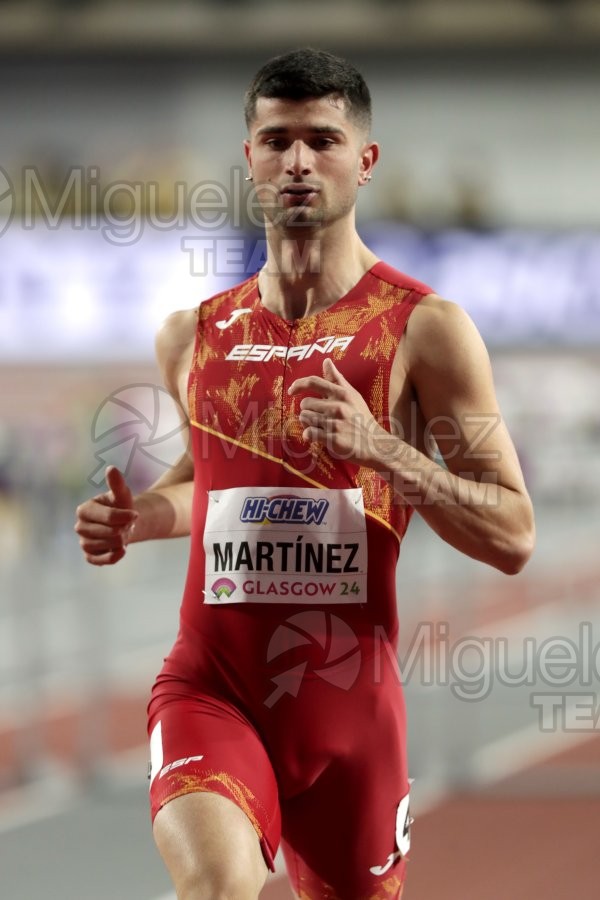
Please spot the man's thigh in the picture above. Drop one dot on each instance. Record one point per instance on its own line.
(202, 747)
(346, 837)
(209, 847)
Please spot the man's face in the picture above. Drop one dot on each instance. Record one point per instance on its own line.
(307, 159)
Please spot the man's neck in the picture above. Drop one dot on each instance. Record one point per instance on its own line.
(307, 273)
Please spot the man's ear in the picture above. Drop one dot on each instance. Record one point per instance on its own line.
(368, 158)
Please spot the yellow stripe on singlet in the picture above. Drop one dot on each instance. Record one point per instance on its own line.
(288, 468)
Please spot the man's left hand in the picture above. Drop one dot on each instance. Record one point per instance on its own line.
(340, 420)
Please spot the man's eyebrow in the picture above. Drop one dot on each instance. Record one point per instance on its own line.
(313, 129)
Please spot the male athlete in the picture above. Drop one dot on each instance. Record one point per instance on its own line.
(309, 392)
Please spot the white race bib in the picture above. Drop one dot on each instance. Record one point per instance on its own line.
(278, 545)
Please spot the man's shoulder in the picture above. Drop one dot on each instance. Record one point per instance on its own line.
(439, 313)
(440, 331)
(395, 277)
(179, 328)
(228, 299)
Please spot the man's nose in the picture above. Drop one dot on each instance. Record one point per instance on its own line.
(299, 158)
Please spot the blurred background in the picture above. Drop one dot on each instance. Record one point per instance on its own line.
(122, 198)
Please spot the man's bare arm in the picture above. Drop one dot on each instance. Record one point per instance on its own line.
(108, 522)
(479, 503)
(165, 508)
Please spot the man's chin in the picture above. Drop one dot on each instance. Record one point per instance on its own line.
(297, 217)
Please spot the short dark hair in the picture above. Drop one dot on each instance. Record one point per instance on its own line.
(305, 73)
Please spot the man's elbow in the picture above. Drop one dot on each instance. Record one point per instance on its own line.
(517, 552)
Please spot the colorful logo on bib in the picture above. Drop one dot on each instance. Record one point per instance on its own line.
(223, 587)
(284, 508)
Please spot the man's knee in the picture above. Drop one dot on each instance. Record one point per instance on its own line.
(216, 885)
(210, 848)
(226, 879)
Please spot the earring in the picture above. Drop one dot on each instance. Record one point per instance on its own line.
(368, 177)
(248, 178)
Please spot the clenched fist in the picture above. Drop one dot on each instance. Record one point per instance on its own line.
(105, 522)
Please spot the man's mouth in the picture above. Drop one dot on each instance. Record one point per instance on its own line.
(299, 190)
(295, 195)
